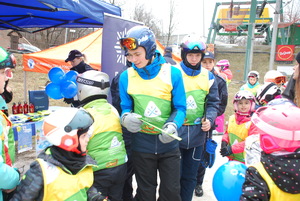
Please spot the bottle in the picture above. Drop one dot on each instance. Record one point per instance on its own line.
(31, 108)
(14, 108)
(20, 108)
(25, 107)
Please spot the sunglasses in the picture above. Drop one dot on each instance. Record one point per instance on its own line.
(129, 43)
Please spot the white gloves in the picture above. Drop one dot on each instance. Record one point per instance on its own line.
(131, 122)
(169, 128)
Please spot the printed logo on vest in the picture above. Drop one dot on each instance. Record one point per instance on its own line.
(152, 110)
(190, 103)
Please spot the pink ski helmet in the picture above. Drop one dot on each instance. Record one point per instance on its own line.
(278, 127)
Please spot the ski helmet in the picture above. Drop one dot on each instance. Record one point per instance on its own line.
(253, 74)
(139, 36)
(267, 92)
(275, 77)
(63, 127)
(281, 101)
(224, 63)
(278, 127)
(7, 60)
(244, 94)
(91, 83)
(191, 44)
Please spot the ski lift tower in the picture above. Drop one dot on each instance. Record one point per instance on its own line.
(252, 22)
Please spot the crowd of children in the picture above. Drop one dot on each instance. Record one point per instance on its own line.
(160, 105)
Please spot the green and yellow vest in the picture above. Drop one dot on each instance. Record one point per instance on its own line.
(59, 185)
(152, 98)
(237, 133)
(106, 145)
(196, 89)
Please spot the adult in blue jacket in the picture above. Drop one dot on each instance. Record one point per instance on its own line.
(153, 108)
(202, 107)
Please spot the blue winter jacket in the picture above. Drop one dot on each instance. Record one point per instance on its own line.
(192, 135)
(146, 143)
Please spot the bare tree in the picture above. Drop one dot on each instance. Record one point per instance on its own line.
(145, 15)
(172, 25)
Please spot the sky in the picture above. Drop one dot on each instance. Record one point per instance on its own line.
(192, 16)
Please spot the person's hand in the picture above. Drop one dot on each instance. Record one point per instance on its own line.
(205, 125)
(101, 198)
(169, 128)
(226, 151)
(68, 100)
(131, 121)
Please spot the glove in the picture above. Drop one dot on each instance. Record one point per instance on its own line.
(209, 156)
(226, 151)
(169, 128)
(223, 144)
(68, 100)
(131, 122)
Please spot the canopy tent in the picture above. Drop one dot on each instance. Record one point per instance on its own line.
(90, 45)
(43, 61)
(43, 14)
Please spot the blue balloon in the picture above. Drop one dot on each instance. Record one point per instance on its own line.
(68, 89)
(53, 91)
(228, 181)
(71, 76)
(56, 75)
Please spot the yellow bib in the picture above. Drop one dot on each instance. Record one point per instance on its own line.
(58, 185)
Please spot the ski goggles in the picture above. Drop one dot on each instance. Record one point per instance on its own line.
(193, 46)
(270, 144)
(280, 80)
(129, 43)
(9, 61)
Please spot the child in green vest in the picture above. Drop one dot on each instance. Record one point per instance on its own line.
(62, 171)
(106, 144)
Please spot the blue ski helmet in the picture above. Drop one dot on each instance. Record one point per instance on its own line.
(139, 36)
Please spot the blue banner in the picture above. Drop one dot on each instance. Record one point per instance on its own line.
(113, 58)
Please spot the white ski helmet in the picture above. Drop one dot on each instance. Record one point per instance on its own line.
(275, 77)
(63, 127)
(91, 83)
(267, 92)
(253, 73)
(244, 94)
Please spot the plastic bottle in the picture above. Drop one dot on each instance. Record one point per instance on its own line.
(31, 108)
(20, 108)
(25, 107)
(14, 108)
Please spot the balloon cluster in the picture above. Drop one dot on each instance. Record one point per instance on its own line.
(62, 85)
(228, 181)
